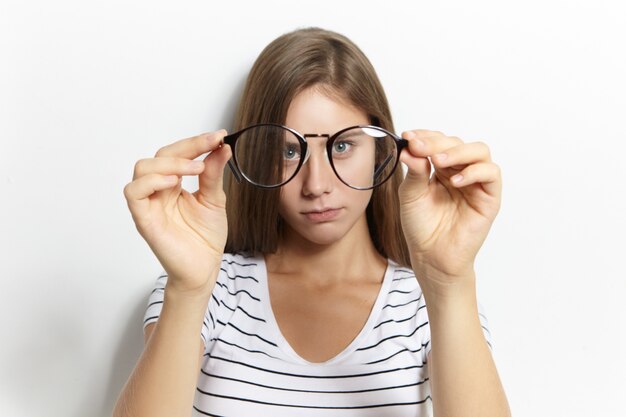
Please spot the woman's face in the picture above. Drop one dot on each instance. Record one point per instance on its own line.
(315, 204)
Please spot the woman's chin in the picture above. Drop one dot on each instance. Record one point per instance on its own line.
(322, 239)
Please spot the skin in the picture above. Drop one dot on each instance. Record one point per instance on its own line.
(316, 186)
(444, 222)
(312, 278)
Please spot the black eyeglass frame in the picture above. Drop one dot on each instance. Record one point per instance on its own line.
(231, 140)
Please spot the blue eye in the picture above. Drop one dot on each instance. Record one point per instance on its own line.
(291, 153)
(341, 146)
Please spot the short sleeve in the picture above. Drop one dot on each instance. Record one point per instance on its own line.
(482, 316)
(484, 323)
(155, 305)
(155, 301)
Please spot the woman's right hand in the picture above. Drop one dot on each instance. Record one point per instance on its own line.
(186, 231)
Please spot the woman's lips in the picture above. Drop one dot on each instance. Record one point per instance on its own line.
(323, 215)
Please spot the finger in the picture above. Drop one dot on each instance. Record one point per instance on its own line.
(193, 147)
(138, 191)
(426, 132)
(461, 155)
(418, 174)
(487, 174)
(427, 142)
(211, 181)
(167, 166)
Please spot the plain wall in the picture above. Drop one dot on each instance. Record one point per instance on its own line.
(88, 88)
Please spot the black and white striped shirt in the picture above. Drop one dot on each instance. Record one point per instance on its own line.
(251, 370)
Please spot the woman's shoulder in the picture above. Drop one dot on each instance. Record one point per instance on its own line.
(400, 271)
(240, 267)
(402, 277)
(239, 260)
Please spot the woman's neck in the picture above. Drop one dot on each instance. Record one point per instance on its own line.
(352, 258)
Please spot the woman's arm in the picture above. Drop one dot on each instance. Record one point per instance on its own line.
(164, 379)
(463, 376)
(187, 233)
(446, 217)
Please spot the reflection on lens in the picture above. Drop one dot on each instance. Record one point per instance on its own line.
(268, 155)
(364, 157)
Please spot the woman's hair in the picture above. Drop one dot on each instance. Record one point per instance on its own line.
(289, 65)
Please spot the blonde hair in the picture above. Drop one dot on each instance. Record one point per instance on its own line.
(289, 65)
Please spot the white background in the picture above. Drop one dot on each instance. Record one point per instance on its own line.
(88, 88)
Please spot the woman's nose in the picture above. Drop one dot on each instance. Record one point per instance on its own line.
(318, 176)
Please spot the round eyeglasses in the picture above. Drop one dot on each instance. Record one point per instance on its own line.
(270, 155)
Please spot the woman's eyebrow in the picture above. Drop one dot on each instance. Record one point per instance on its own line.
(353, 133)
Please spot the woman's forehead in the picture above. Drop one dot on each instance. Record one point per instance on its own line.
(317, 112)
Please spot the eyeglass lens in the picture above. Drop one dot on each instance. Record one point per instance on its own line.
(270, 155)
(363, 157)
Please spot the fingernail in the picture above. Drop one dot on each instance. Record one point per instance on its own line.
(441, 156)
(418, 142)
(197, 164)
(457, 178)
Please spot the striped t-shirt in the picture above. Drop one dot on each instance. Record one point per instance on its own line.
(249, 368)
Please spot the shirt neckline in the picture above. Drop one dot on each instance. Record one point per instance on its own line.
(282, 342)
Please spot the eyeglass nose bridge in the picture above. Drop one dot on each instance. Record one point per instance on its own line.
(308, 151)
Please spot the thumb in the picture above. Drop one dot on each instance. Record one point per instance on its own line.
(211, 180)
(417, 179)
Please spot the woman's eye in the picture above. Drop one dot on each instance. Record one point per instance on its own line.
(290, 153)
(341, 147)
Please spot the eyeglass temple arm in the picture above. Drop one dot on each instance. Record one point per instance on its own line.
(402, 144)
(382, 166)
(230, 140)
(234, 170)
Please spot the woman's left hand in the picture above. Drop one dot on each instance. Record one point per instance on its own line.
(445, 222)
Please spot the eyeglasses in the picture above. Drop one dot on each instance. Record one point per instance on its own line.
(270, 155)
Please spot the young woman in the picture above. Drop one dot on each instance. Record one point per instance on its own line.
(323, 282)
